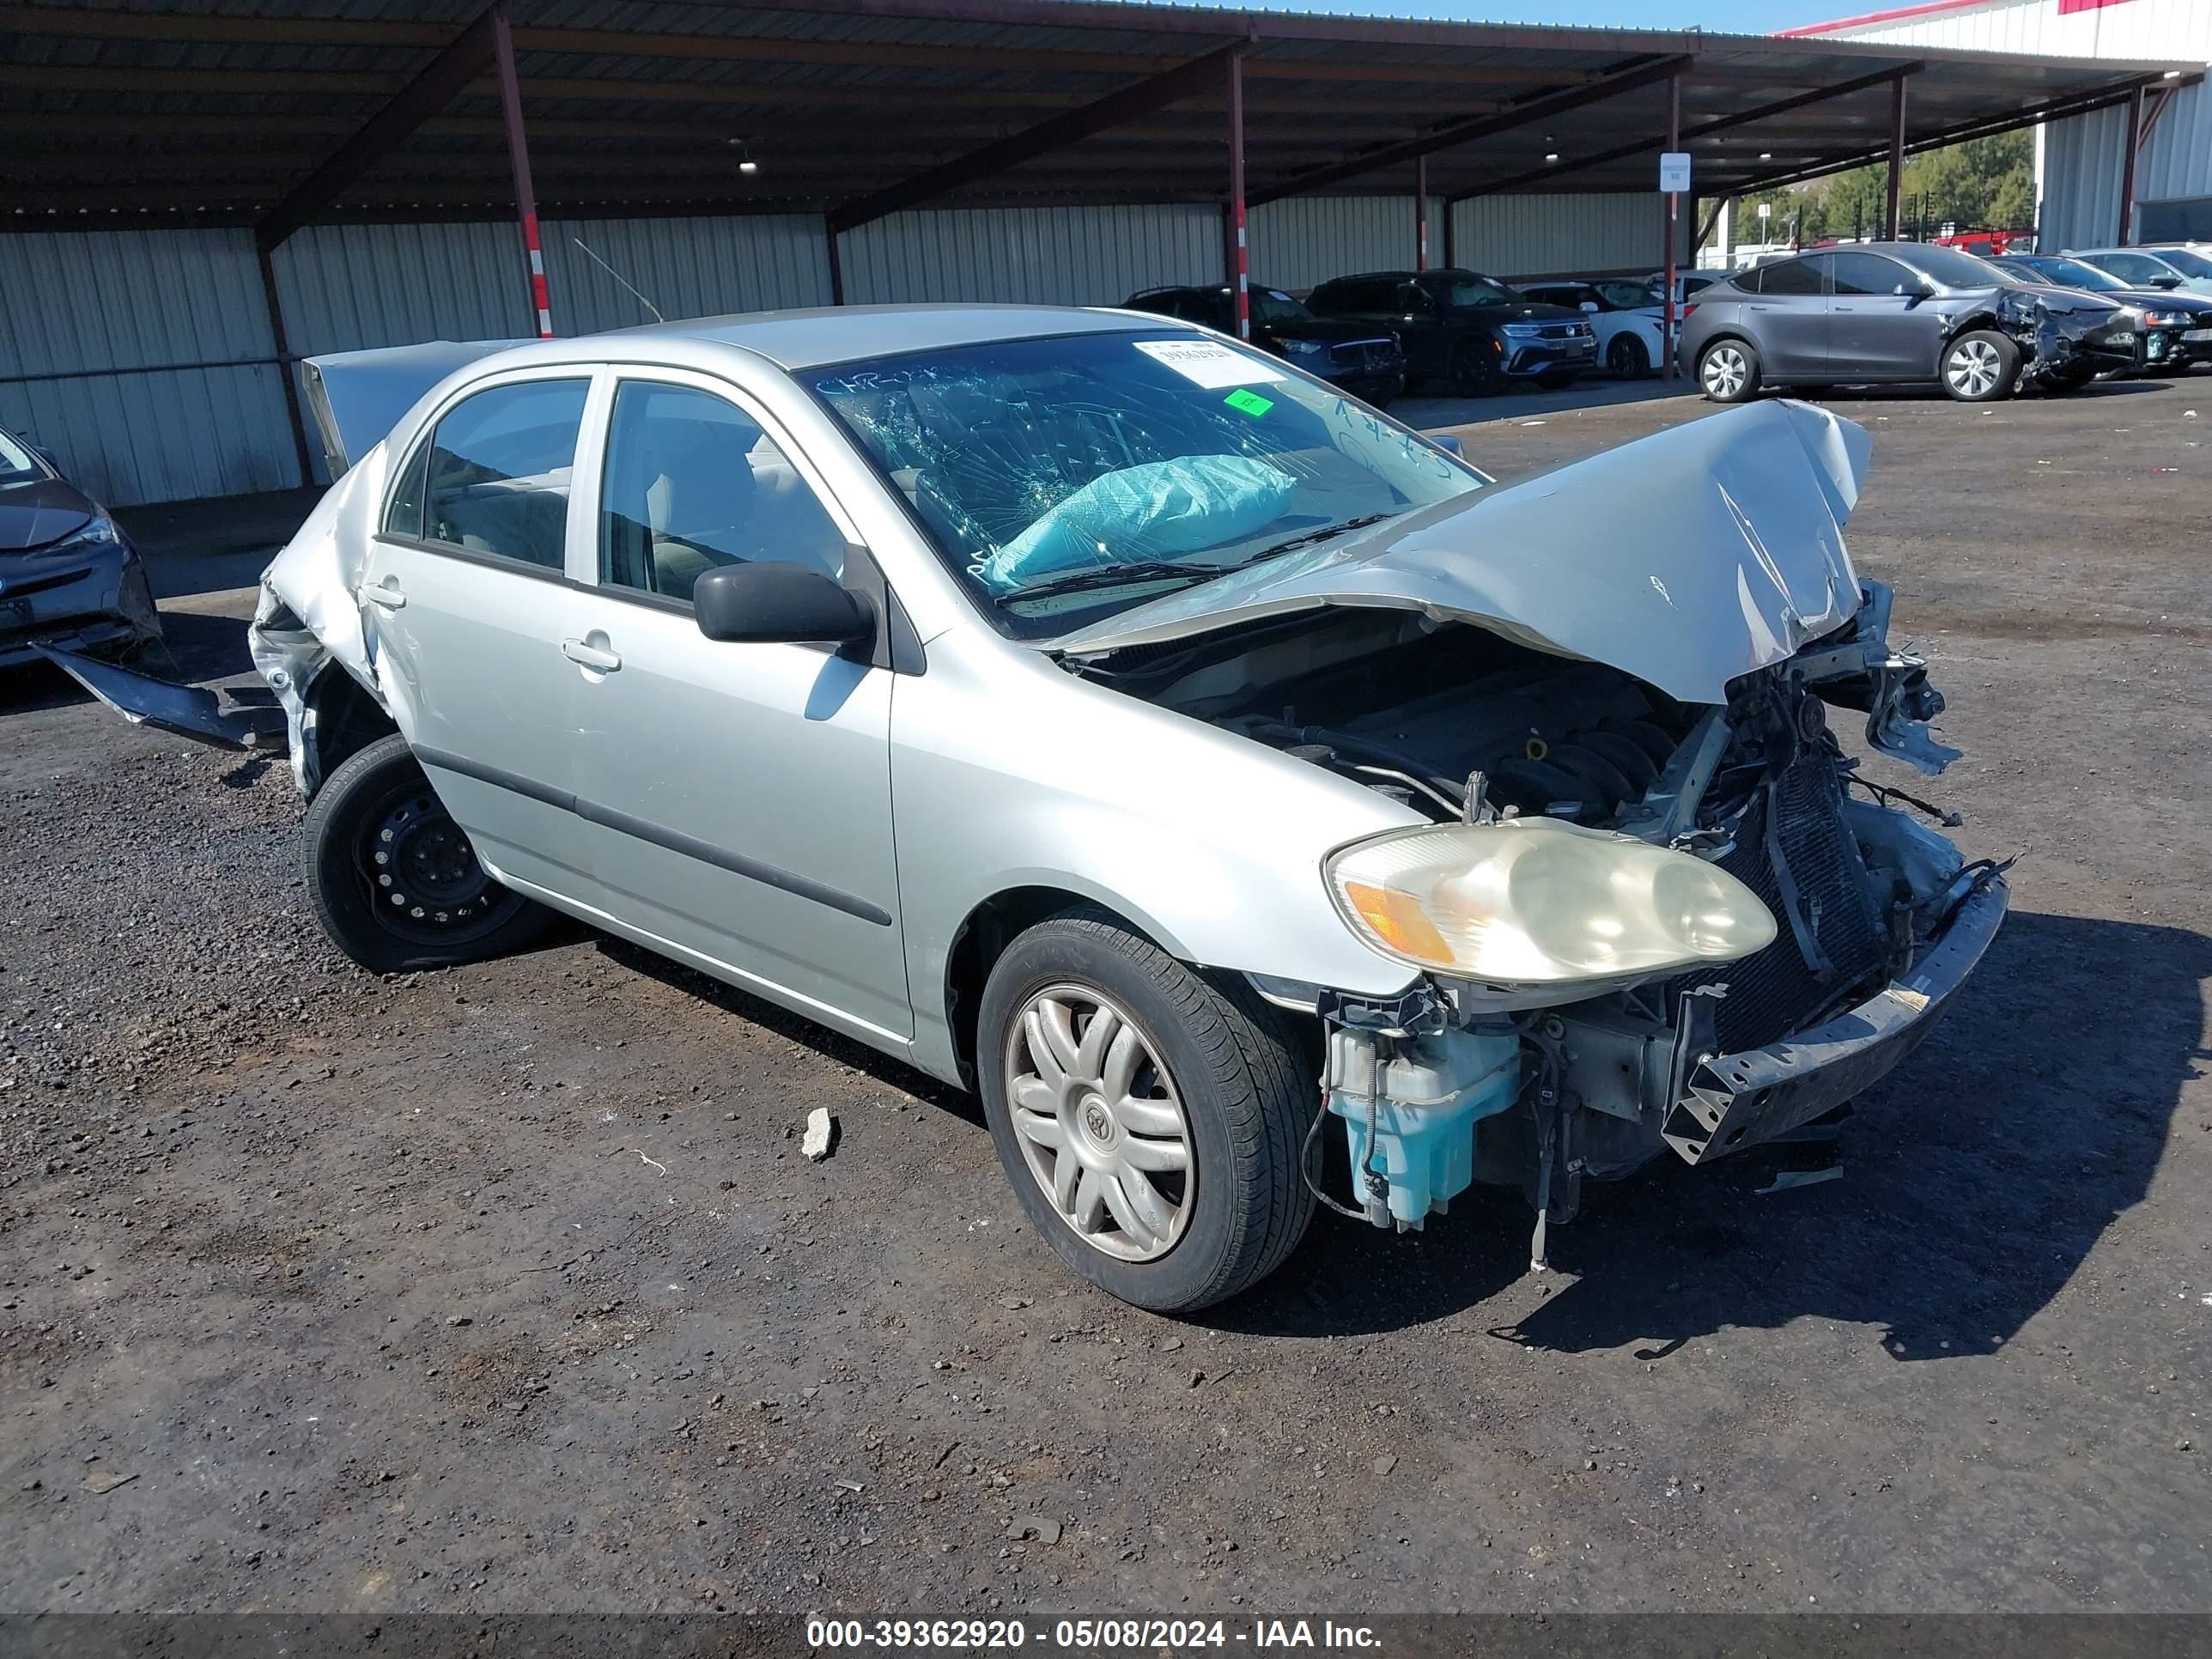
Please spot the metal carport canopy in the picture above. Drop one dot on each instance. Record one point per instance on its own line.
(275, 114)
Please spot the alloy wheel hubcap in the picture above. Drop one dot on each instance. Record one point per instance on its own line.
(1725, 370)
(1974, 368)
(1099, 1123)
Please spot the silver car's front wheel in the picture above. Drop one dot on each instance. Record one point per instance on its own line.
(1101, 1127)
(1151, 1117)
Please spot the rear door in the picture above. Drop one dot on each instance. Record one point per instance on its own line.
(1789, 318)
(465, 603)
(739, 794)
(1880, 325)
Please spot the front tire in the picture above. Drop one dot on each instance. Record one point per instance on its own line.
(1728, 371)
(1626, 358)
(1151, 1120)
(1474, 370)
(395, 883)
(1980, 367)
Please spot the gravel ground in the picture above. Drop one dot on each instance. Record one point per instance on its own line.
(507, 1289)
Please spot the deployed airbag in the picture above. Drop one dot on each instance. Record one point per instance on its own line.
(1152, 511)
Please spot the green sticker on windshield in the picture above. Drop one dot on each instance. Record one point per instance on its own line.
(1249, 402)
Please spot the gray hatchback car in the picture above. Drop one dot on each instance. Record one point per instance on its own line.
(1879, 311)
(1091, 709)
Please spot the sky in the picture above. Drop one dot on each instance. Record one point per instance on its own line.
(1730, 17)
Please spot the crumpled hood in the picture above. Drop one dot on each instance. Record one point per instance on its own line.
(1687, 558)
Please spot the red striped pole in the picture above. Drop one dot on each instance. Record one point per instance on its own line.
(518, 155)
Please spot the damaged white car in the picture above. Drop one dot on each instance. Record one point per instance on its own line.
(1112, 719)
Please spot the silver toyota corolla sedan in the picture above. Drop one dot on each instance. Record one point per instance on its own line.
(1091, 710)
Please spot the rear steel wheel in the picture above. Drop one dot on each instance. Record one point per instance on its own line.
(395, 882)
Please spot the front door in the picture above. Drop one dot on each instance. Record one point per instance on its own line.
(463, 608)
(740, 794)
(1880, 324)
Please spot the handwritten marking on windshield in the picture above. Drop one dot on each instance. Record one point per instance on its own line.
(1661, 589)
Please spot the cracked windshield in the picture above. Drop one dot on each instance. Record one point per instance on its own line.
(1069, 477)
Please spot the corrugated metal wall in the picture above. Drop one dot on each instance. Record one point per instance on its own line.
(344, 287)
(142, 361)
(1304, 240)
(2081, 157)
(102, 322)
(1512, 236)
(1032, 256)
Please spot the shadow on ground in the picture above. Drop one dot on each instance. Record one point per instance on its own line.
(1978, 1178)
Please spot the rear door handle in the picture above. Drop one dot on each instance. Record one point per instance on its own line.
(385, 594)
(590, 656)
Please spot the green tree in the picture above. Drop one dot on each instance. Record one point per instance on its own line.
(1983, 184)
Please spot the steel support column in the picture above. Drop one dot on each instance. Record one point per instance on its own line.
(1239, 273)
(286, 367)
(1896, 159)
(1673, 212)
(836, 264)
(2132, 142)
(517, 157)
(1420, 213)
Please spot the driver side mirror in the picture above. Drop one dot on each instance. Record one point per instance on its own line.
(2167, 282)
(1590, 306)
(777, 603)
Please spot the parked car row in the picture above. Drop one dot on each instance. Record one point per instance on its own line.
(1459, 331)
(1875, 313)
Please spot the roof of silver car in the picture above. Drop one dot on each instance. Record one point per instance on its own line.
(840, 334)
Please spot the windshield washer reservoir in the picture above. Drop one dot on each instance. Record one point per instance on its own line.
(1423, 1101)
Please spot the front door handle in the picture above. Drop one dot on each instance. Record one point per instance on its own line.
(385, 593)
(590, 656)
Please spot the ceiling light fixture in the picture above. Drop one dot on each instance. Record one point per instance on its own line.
(746, 165)
(1551, 156)
(1766, 155)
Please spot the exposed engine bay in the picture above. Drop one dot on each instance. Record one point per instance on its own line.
(1458, 1081)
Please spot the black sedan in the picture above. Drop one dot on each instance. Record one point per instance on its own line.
(69, 578)
(2177, 327)
(1468, 330)
(1366, 361)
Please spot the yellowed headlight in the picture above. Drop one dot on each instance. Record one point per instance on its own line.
(1539, 902)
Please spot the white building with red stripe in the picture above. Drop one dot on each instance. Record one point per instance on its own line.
(2079, 161)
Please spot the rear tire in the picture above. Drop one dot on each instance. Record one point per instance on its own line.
(1728, 371)
(1185, 1113)
(395, 883)
(1980, 367)
(1626, 358)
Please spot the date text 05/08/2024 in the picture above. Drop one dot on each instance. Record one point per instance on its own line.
(1084, 1635)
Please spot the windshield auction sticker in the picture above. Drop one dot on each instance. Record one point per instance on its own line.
(1204, 364)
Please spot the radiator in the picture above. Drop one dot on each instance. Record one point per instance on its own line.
(1777, 992)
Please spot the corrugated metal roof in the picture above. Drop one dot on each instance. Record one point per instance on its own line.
(193, 111)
